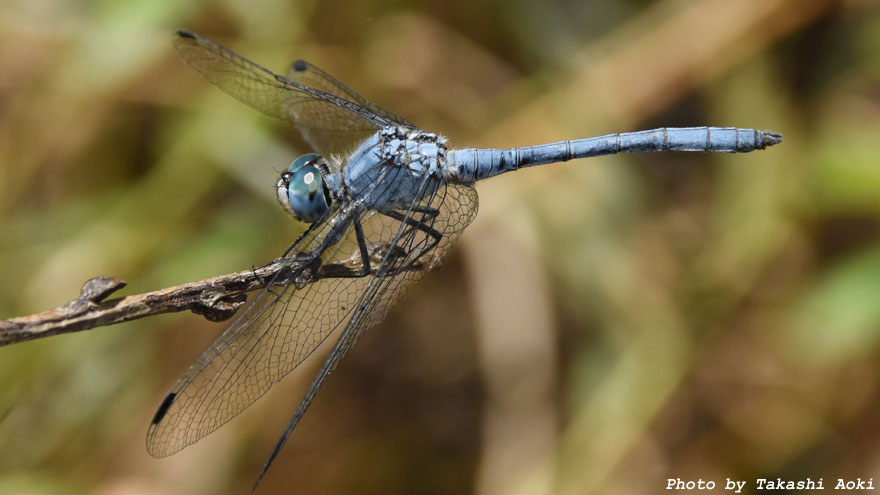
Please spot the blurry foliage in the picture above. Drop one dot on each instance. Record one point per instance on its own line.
(676, 315)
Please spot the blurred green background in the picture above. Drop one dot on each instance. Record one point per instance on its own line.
(602, 326)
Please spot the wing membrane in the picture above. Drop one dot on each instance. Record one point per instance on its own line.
(330, 117)
(313, 77)
(409, 246)
(270, 338)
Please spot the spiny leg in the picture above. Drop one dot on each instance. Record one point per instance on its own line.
(362, 247)
(419, 225)
(428, 216)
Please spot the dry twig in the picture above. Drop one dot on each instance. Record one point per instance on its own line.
(216, 298)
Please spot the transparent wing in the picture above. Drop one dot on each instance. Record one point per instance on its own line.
(417, 243)
(270, 338)
(283, 326)
(313, 77)
(330, 117)
(420, 240)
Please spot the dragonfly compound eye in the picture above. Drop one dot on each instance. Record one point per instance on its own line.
(303, 160)
(301, 189)
(306, 193)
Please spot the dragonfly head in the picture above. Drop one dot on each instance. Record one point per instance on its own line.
(302, 190)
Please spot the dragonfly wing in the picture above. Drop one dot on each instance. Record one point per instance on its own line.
(326, 128)
(309, 75)
(410, 251)
(328, 120)
(270, 338)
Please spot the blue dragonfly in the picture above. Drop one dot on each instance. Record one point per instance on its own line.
(384, 199)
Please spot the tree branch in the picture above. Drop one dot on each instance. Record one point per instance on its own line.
(216, 298)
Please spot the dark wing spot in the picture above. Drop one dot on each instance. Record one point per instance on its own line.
(163, 408)
(299, 65)
(186, 34)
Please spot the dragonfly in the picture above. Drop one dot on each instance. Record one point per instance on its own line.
(384, 201)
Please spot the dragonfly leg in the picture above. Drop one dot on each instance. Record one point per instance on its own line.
(421, 225)
(427, 210)
(272, 280)
(362, 246)
(263, 280)
(359, 265)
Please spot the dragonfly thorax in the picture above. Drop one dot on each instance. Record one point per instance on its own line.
(302, 189)
(395, 167)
